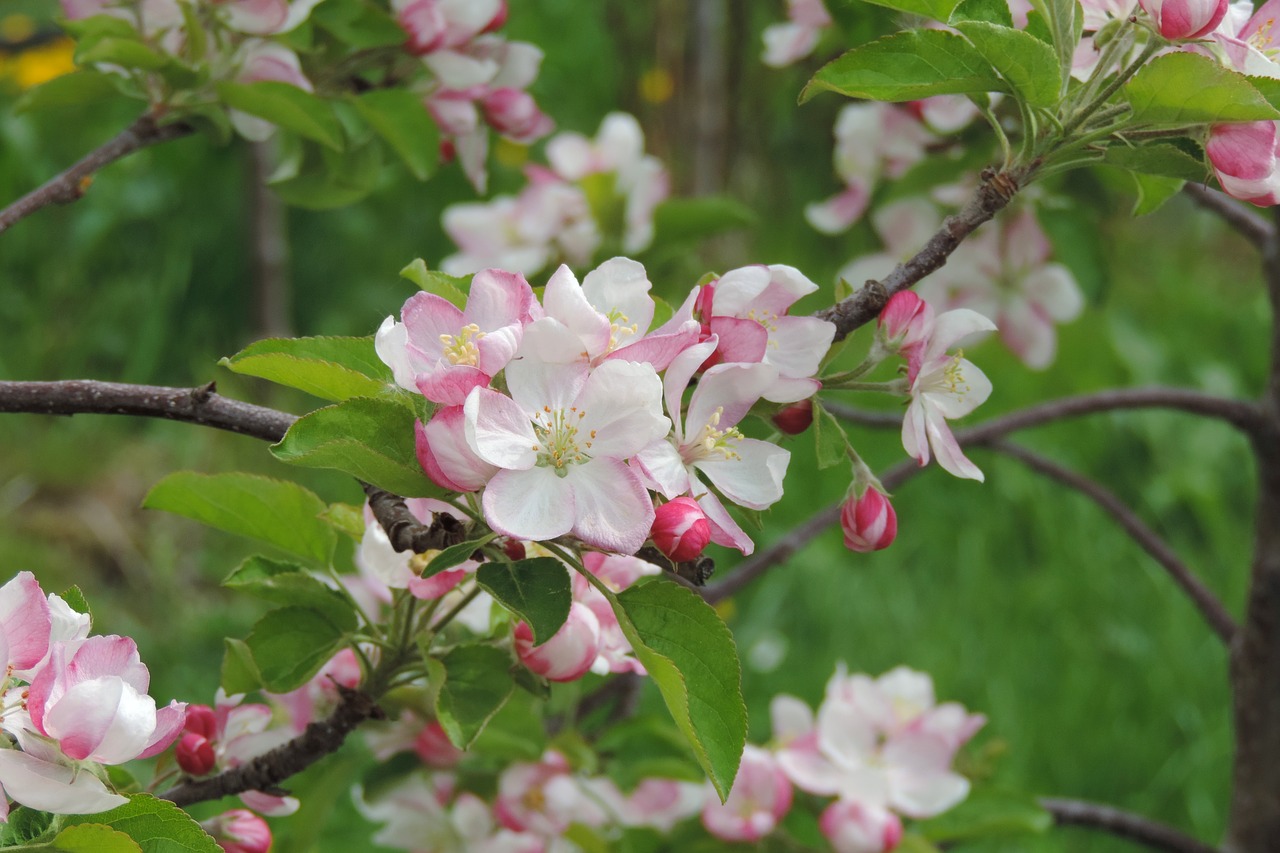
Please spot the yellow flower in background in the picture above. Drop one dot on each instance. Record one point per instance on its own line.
(656, 85)
(26, 60)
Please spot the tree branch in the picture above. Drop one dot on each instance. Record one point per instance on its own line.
(1123, 825)
(268, 770)
(403, 528)
(1248, 224)
(993, 195)
(1204, 600)
(71, 185)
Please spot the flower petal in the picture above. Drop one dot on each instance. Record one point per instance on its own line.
(53, 788)
(499, 431)
(612, 507)
(753, 480)
(535, 504)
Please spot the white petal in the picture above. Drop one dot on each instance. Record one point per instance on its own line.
(535, 504)
(612, 507)
(951, 328)
(564, 300)
(498, 430)
(52, 787)
(620, 284)
(621, 405)
(730, 388)
(754, 480)
(661, 462)
(797, 345)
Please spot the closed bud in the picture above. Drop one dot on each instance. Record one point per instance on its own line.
(1244, 159)
(853, 827)
(869, 522)
(796, 418)
(195, 754)
(569, 654)
(499, 20)
(239, 831)
(1185, 19)
(903, 321)
(202, 721)
(514, 549)
(515, 114)
(680, 529)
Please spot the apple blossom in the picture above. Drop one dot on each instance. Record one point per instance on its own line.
(869, 522)
(680, 529)
(903, 322)
(1178, 20)
(239, 831)
(794, 40)
(759, 799)
(443, 452)
(41, 778)
(543, 798)
(566, 656)
(661, 803)
(854, 827)
(265, 17)
(440, 24)
(1244, 159)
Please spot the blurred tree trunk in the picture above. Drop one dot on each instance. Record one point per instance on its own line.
(269, 242)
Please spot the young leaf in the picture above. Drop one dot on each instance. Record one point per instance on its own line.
(93, 838)
(76, 89)
(908, 66)
(345, 518)
(536, 590)
(290, 645)
(1163, 159)
(24, 825)
(286, 106)
(402, 121)
(1153, 192)
(158, 826)
(690, 655)
(285, 583)
(991, 11)
(239, 672)
(273, 511)
(1187, 88)
(329, 368)
(938, 10)
(1027, 63)
(988, 813)
(370, 439)
(477, 684)
(832, 443)
(451, 288)
(455, 554)
(125, 52)
(75, 599)
(1063, 24)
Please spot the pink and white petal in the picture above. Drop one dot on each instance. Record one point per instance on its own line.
(681, 316)
(951, 328)
(169, 722)
(426, 317)
(915, 438)
(658, 350)
(740, 340)
(535, 504)
(738, 289)
(836, 214)
(729, 390)
(621, 284)
(438, 584)
(571, 155)
(1025, 243)
(55, 788)
(547, 339)
(784, 390)
(797, 345)
(1054, 289)
(846, 734)
(564, 300)
(498, 430)
(473, 155)
(536, 385)
(724, 530)
(299, 11)
(259, 17)
(809, 771)
(103, 719)
(621, 409)
(787, 43)
(754, 480)
(661, 465)
(786, 285)
(612, 508)
(1244, 151)
(520, 64)
(679, 373)
(498, 347)
(445, 455)
(792, 718)
(271, 805)
(973, 388)
(390, 344)
(449, 384)
(1029, 333)
(906, 225)
(950, 457)
(25, 620)
(497, 298)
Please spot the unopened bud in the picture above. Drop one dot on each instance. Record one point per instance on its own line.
(202, 720)
(796, 418)
(514, 549)
(569, 654)
(903, 320)
(239, 831)
(195, 754)
(869, 522)
(680, 529)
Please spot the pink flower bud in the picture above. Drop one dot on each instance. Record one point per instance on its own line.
(569, 654)
(435, 749)
(201, 720)
(240, 831)
(904, 320)
(680, 529)
(515, 114)
(869, 522)
(796, 418)
(195, 754)
(1185, 19)
(499, 20)
(425, 23)
(1244, 159)
(514, 549)
(852, 827)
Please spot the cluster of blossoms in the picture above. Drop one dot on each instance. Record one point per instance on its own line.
(72, 703)
(589, 423)
(594, 192)
(469, 77)
(882, 748)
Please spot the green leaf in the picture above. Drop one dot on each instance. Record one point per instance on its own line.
(991, 11)
(286, 106)
(688, 219)
(125, 52)
(358, 26)
(290, 645)
(516, 732)
(1028, 64)
(1187, 88)
(289, 584)
(370, 439)
(273, 511)
(988, 813)
(908, 66)
(402, 121)
(75, 599)
(77, 89)
(158, 826)
(477, 684)
(239, 672)
(94, 838)
(1153, 192)
(345, 518)
(912, 843)
(690, 655)
(536, 590)
(938, 10)
(1162, 159)
(451, 288)
(329, 368)
(24, 826)
(324, 179)
(455, 554)
(829, 435)
(1064, 23)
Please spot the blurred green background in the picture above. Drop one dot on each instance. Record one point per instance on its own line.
(1024, 601)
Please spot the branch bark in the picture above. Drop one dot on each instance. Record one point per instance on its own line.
(1254, 228)
(268, 770)
(71, 185)
(1123, 825)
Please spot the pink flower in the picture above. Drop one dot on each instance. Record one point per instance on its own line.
(443, 452)
(515, 114)
(26, 623)
(445, 24)
(661, 803)
(903, 322)
(566, 656)
(435, 749)
(239, 831)
(680, 529)
(853, 827)
(543, 798)
(1244, 159)
(760, 798)
(869, 522)
(266, 17)
(1185, 19)
(794, 40)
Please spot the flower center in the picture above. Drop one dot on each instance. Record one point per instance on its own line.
(1262, 38)
(619, 329)
(461, 348)
(764, 317)
(560, 442)
(712, 442)
(953, 375)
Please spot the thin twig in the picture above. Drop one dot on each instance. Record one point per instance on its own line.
(268, 770)
(1250, 225)
(403, 528)
(1205, 601)
(71, 185)
(1123, 824)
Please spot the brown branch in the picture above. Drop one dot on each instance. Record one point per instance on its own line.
(1204, 600)
(1248, 224)
(71, 185)
(195, 405)
(1242, 414)
(1123, 825)
(268, 770)
(403, 528)
(993, 195)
